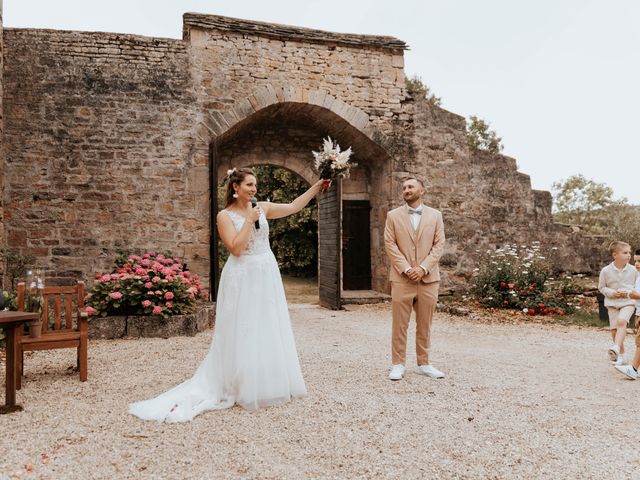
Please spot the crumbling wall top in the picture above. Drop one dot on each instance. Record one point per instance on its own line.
(286, 32)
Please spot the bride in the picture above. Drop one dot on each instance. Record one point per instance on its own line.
(252, 360)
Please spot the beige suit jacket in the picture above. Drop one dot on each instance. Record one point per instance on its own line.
(407, 247)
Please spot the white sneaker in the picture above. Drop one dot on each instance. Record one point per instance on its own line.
(613, 351)
(397, 372)
(628, 370)
(429, 371)
(621, 360)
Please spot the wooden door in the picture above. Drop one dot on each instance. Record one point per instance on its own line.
(329, 246)
(356, 245)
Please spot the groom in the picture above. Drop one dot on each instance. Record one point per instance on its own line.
(414, 240)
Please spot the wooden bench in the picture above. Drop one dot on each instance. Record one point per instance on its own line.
(60, 303)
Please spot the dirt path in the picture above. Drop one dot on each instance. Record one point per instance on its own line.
(519, 401)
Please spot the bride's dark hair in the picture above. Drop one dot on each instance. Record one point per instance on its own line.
(237, 176)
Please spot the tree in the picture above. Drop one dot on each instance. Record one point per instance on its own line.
(591, 205)
(481, 137)
(416, 87)
(579, 194)
(585, 202)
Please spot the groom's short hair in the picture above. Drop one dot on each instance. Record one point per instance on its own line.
(411, 177)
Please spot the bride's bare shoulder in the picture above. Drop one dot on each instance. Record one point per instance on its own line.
(223, 215)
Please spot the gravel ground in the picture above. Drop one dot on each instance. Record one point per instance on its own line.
(519, 401)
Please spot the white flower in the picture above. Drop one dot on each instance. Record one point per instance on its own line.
(331, 157)
(525, 310)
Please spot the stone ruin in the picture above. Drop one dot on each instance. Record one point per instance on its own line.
(114, 141)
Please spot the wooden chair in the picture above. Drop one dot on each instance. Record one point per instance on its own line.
(59, 303)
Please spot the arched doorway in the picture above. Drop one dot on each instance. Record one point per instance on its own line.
(284, 134)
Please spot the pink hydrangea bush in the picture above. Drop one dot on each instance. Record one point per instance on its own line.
(148, 284)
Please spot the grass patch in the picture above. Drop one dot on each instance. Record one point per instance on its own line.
(583, 318)
(300, 290)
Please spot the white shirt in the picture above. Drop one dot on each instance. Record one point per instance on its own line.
(415, 219)
(612, 279)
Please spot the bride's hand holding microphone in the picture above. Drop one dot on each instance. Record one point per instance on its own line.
(255, 212)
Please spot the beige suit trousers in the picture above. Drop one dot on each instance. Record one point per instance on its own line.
(406, 296)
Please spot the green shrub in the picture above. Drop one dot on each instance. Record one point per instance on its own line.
(416, 87)
(481, 137)
(517, 278)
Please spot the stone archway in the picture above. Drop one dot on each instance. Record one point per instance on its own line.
(283, 133)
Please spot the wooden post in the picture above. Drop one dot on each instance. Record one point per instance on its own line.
(330, 246)
(214, 274)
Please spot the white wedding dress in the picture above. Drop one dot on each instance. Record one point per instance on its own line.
(252, 360)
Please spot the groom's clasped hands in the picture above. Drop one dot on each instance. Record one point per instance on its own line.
(415, 274)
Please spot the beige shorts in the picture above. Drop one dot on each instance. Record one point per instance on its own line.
(615, 313)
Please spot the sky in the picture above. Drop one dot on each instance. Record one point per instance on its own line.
(558, 80)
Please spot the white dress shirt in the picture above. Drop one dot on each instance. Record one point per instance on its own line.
(415, 219)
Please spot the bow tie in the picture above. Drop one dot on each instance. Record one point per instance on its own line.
(415, 211)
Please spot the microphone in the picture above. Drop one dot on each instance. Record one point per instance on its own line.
(254, 203)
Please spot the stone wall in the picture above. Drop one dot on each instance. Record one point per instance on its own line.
(98, 149)
(486, 202)
(107, 140)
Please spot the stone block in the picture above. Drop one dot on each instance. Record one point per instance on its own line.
(213, 125)
(360, 120)
(204, 133)
(397, 61)
(198, 178)
(317, 97)
(230, 117)
(328, 101)
(158, 326)
(243, 109)
(220, 119)
(107, 327)
(197, 37)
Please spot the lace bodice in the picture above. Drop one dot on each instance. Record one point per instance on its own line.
(259, 241)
